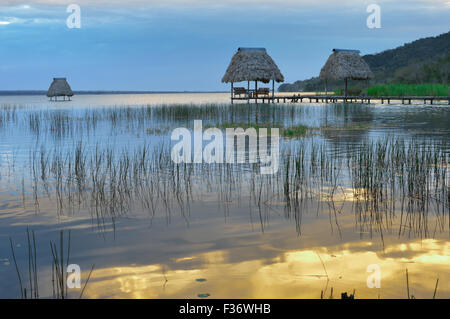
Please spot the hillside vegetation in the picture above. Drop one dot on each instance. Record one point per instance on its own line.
(422, 61)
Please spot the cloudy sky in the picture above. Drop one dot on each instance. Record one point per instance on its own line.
(186, 45)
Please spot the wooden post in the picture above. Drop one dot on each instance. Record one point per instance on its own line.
(256, 92)
(346, 85)
(232, 89)
(273, 90)
(248, 92)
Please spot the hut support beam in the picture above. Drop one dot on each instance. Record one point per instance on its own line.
(346, 87)
(232, 89)
(248, 92)
(273, 91)
(256, 92)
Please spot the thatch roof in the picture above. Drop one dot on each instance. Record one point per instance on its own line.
(346, 64)
(59, 87)
(251, 64)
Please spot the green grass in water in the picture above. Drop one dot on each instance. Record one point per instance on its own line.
(295, 131)
(288, 132)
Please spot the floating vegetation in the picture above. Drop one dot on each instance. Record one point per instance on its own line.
(294, 131)
(200, 280)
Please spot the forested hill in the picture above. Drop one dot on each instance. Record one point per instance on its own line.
(425, 60)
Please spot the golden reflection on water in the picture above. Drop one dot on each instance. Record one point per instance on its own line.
(292, 274)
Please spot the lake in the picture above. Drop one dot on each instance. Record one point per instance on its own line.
(91, 182)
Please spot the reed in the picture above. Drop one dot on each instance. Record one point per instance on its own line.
(409, 90)
(60, 257)
(33, 289)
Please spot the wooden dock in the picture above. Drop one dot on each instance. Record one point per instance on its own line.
(343, 99)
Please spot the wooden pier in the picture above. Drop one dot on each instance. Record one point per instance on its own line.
(342, 99)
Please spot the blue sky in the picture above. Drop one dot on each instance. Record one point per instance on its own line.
(177, 45)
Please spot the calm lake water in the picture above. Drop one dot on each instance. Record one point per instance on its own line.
(360, 185)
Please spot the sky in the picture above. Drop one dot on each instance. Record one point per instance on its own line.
(186, 45)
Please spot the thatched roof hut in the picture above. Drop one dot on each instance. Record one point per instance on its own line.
(252, 64)
(59, 87)
(346, 64)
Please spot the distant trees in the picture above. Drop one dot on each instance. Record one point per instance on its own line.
(437, 71)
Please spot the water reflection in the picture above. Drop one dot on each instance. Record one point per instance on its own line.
(291, 274)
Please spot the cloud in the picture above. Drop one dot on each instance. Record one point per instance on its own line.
(10, 20)
(173, 2)
(141, 5)
(30, 14)
(215, 3)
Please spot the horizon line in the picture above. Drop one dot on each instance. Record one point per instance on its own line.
(100, 92)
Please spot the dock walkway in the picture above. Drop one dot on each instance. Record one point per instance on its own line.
(344, 99)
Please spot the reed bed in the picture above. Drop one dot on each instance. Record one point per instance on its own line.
(386, 181)
(410, 178)
(71, 123)
(382, 180)
(409, 90)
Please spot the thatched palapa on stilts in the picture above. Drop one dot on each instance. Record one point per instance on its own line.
(345, 65)
(252, 65)
(59, 88)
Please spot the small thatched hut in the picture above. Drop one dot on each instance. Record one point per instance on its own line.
(59, 87)
(345, 65)
(252, 64)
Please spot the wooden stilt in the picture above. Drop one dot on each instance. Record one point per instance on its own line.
(346, 86)
(256, 92)
(248, 92)
(273, 91)
(232, 89)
